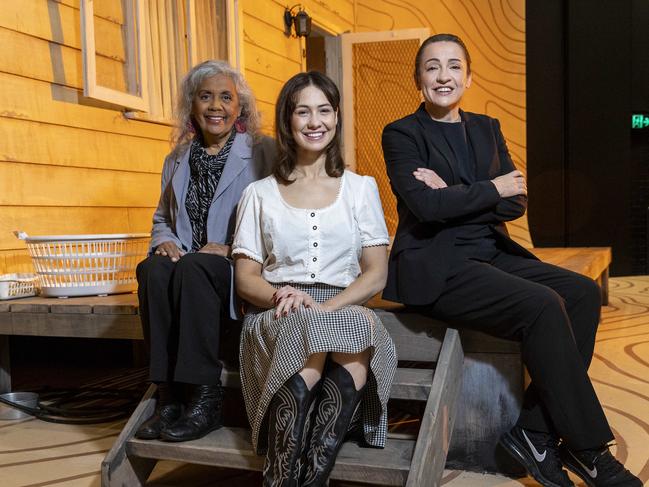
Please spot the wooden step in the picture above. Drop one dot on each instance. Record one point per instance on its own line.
(225, 447)
(231, 447)
(403, 461)
(412, 384)
(408, 383)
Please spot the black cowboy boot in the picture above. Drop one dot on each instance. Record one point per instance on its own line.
(333, 414)
(202, 414)
(288, 423)
(167, 411)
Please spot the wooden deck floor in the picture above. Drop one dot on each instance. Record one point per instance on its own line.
(34, 453)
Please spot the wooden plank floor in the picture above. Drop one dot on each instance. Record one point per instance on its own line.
(34, 453)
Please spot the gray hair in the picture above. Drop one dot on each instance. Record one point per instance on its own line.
(183, 132)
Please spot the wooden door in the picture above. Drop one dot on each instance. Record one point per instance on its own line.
(375, 73)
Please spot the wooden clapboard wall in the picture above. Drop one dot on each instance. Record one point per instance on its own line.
(71, 165)
(68, 165)
(270, 58)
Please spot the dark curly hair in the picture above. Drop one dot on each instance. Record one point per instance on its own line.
(286, 147)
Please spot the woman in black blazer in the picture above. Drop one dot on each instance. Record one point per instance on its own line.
(453, 259)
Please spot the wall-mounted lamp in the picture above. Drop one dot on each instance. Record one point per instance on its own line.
(300, 20)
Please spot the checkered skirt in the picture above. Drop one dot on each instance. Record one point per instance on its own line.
(272, 350)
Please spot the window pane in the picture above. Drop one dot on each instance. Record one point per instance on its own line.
(116, 45)
(169, 56)
(211, 30)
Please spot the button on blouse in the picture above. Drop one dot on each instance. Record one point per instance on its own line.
(310, 245)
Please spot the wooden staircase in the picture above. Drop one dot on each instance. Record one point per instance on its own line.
(413, 461)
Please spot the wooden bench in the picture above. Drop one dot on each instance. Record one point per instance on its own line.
(87, 317)
(492, 375)
(592, 262)
(405, 460)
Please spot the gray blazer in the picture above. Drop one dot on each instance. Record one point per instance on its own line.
(246, 163)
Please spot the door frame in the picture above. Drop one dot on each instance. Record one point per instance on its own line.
(339, 67)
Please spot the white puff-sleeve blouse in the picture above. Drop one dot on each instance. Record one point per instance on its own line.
(301, 245)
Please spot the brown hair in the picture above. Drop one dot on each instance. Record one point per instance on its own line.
(439, 38)
(286, 147)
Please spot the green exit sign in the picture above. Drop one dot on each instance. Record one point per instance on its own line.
(639, 121)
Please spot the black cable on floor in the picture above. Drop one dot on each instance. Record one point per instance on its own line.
(75, 406)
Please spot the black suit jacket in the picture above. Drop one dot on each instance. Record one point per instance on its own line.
(429, 218)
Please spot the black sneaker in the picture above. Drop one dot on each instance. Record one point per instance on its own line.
(598, 468)
(539, 453)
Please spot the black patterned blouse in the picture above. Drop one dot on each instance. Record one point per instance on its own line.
(205, 173)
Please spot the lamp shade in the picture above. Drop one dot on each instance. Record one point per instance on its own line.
(302, 23)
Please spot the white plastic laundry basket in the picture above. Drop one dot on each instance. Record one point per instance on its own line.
(14, 286)
(82, 265)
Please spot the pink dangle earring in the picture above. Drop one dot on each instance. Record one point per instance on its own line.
(240, 124)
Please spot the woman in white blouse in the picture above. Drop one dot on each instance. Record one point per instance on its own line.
(310, 248)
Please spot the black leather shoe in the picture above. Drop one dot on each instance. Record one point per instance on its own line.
(332, 416)
(201, 415)
(538, 452)
(288, 423)
(598, 467)
(167, 412)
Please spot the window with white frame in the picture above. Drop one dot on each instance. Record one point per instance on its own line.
(135, 52)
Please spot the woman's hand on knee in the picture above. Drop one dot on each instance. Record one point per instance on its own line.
(169, 249)
(283, 292)
(288, 299)
(289, 304)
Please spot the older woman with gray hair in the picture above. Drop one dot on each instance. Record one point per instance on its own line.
(185, 285)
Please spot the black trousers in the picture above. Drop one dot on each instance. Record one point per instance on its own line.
(554, 313)
(183, 306)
